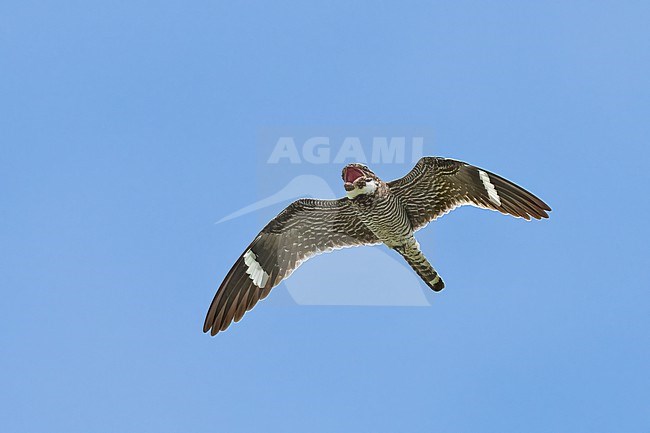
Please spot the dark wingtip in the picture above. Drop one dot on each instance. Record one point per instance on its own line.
(540, 215)
(543, 211)
(207, 327)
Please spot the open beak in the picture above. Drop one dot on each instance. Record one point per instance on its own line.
(351, 174)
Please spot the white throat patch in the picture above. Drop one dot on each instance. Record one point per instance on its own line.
(370, 188)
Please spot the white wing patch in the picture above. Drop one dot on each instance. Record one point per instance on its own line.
(254, 269)
(491, 190)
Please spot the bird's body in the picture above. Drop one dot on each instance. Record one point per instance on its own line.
(373, 212)
(384, 215)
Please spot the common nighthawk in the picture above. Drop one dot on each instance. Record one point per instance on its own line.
(373, 212)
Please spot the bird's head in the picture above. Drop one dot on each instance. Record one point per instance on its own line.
(359, 179)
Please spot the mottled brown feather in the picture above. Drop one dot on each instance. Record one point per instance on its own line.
(436, 186)
(305, 228)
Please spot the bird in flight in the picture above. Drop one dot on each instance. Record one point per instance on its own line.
(373, 212)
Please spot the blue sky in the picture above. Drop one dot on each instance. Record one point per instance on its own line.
(128, 128)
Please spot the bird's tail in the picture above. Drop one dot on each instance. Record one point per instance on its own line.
(414, 257)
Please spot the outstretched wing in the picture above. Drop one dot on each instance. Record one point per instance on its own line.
(305, 228)
(436, 186)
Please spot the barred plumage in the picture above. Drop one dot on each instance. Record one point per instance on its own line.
(373, 212)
